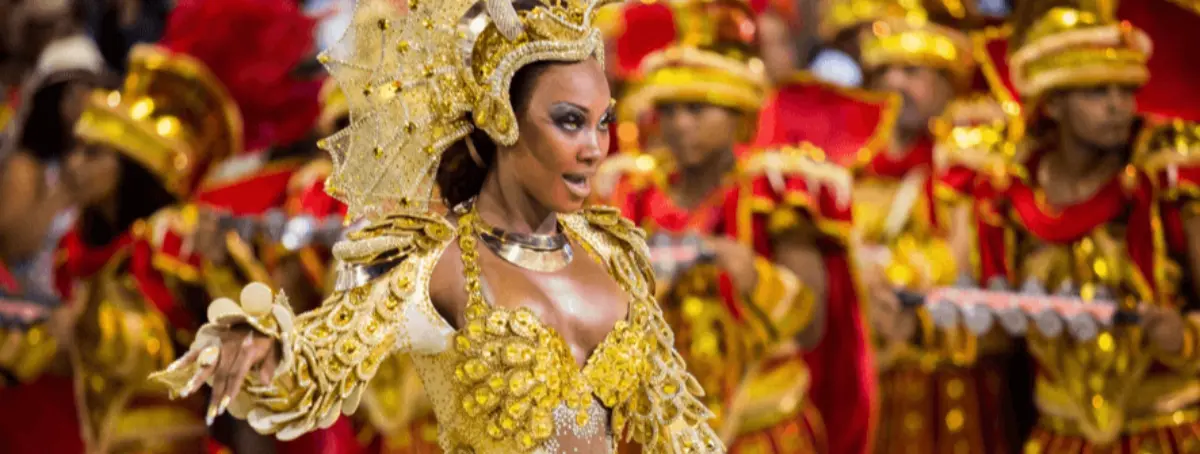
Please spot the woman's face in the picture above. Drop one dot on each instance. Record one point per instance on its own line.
(563, 136)
(697, 133)
(91, 174)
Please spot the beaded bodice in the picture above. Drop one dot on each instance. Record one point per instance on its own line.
(504, 382)
(520, 376)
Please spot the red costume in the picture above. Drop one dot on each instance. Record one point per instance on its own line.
(848, 124)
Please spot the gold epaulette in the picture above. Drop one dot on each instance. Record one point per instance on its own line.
(634, 168)
(801, 161)
(1165, 146)
(976, 133)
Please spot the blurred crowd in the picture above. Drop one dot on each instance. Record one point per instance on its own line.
(158, 154)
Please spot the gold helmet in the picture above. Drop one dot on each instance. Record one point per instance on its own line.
(171, 116)
(1075, 47)
(713, 60)
(915, 37)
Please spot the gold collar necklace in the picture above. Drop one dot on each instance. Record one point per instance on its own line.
(544, 253)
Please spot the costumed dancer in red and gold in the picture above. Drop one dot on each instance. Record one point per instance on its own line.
(941, 391)
(748, 245)
(33, 372)
(1095, 205)
(133, 271)
(934, 395)
(844, 123)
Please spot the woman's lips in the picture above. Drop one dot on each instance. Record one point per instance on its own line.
(580, 185)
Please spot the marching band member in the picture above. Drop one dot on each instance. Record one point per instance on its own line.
(1092, 206)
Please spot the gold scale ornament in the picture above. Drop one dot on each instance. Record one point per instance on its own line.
(417, 82)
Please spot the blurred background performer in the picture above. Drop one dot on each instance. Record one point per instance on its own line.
(942, 391)
(742, 314)
(1090, 205)
(35, 375)
(132, 267)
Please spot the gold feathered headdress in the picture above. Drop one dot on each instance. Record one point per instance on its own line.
(417, 83)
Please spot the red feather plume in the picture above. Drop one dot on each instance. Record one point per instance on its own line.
(253, 47)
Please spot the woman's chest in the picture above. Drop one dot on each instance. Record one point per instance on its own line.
(581, 304)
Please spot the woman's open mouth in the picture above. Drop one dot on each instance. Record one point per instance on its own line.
(579, 184)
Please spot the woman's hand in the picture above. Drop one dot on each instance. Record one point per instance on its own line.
(233, 348)
(1164, 329)
(737, 260)
(889, 317)
(241, 351)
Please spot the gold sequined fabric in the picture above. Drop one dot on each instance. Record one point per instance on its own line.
(505, 382)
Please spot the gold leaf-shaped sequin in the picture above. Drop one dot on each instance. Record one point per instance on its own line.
(525, 324)
(463, 344)
(497, 323)
(475, 370)
(520, 382)
(518, 353)
(517, 408)
(476, 330)
(496, 383)
(541, 424)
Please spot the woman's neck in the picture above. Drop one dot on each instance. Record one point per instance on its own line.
(695, 183)
(505, 206)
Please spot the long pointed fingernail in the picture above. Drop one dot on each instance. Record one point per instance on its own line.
(212, 414)
(224, 403)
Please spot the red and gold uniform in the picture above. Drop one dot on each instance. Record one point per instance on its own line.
(34, 372)
(937, 393)
(131, 295)
(740, 347)
(842, 367)
(1114, 393)
(757, 381)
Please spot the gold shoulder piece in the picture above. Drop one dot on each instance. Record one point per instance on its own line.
(1163, 146)
(395, 237)
(802, 161)
(978, 133)
(331, 353)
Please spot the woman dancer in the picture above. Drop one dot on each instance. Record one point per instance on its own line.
(529, 317)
